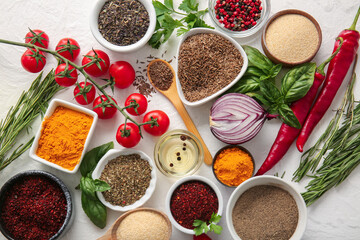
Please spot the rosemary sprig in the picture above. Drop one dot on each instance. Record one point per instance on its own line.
(342, 151)
(30, 104)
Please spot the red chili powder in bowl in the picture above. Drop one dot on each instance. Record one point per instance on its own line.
(35, 207)
(193, 200)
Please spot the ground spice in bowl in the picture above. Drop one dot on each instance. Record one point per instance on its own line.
(63, 137)
(207, 63)
(161, 75)
(128, 176)
(33, 207)
(193, 200)
(265, 212)
(123, 22)
(144, 224)
(233, 165)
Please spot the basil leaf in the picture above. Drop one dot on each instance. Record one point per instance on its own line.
(274, 71)
(257, 59)
(297, 82)
(160, 8)
(270, 92)
(94, 209)
(255, 71)
(260, 98)
(87, 187)
(288, 116)
(245, 85)
(101, 186)
(93, 156)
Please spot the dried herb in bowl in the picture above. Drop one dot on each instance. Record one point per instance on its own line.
(123, 22)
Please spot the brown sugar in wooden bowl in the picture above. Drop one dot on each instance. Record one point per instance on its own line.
(291, 37)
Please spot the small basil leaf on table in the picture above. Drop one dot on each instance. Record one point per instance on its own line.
(297, 82)
(94, 209)
(93, 156)
(288, 116)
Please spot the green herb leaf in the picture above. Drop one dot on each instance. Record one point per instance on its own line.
(274, 71)
(160, 8)
(87, 187)
(297, 82)
(93, 156)
(257, 59)
(189, 6)
(155, 40)
(254, 71)
(245, 85)
(94, 209)
(270, 92)
(215, 218)
(101, 186)
(169, 4)
(216, 228)
(201, 23)
(182, 31)
(197, 223)
(288, 116)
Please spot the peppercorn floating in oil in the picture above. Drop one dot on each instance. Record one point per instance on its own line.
(128, 176)
(193, 200)
(123, 22)
(238, 15)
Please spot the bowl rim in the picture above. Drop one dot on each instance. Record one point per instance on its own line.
(128, 48)
(161, 140)
(273, 181)
(227, 147)
(195, 31)
(113, 153)
(50, 110)
(69, 209)
(272, 57)
(118, 221)
(241, 34)
(184, 180)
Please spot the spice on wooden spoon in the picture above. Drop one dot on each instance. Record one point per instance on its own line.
(160, 77)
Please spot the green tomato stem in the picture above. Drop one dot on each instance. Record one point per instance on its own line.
(82, 71)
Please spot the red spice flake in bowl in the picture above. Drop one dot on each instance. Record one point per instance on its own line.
(34, 208)
(193, 200)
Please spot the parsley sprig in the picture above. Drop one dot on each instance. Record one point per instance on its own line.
(166, 24)
(202, 227)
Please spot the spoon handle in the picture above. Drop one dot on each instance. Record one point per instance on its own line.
(191, 126)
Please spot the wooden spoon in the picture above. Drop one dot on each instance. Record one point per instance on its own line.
(111, 233)
(174, 98)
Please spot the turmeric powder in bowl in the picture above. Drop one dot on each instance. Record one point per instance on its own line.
(63, 137)
(233, 165)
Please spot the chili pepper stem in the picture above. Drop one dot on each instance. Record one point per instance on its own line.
(320, 68)
(353, 26)
(82, 71)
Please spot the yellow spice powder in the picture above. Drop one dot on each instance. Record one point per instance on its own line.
(63, 136)
(233, 166)
(292, 38)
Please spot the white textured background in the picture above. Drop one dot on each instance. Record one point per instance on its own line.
(335, 216)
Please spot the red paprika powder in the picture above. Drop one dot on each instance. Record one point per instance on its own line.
(193, 200)
(34, 208)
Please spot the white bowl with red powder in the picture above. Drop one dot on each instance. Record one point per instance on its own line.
(213, 79)
(191, 179)
(272, 215)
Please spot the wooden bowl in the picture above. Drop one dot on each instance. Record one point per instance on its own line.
(111, 233)
(275, 59)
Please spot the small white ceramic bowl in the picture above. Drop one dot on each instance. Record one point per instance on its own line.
(52, 106)
(129, 48)
(184, 180)
(273, 181)
(195, 31)
(112, 154)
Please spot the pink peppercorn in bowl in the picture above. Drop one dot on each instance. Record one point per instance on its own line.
(231, 17)
(178, 186)
(42, 204)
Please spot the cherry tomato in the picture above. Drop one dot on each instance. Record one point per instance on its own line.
(33, 60)
(123, 74)
(65, 77)
(140, 100)
(99, 57)
(130, 138)
(103, 108)
(38, 38)
(84, 95)
(163, 122)
(68, 48)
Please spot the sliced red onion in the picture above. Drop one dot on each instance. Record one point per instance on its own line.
(236, 118)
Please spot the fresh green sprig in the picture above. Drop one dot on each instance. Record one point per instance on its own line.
(30, 105)
(166, 24)
(202, 227)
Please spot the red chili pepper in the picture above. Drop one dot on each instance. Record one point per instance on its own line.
(335, 75)
(301, 108)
